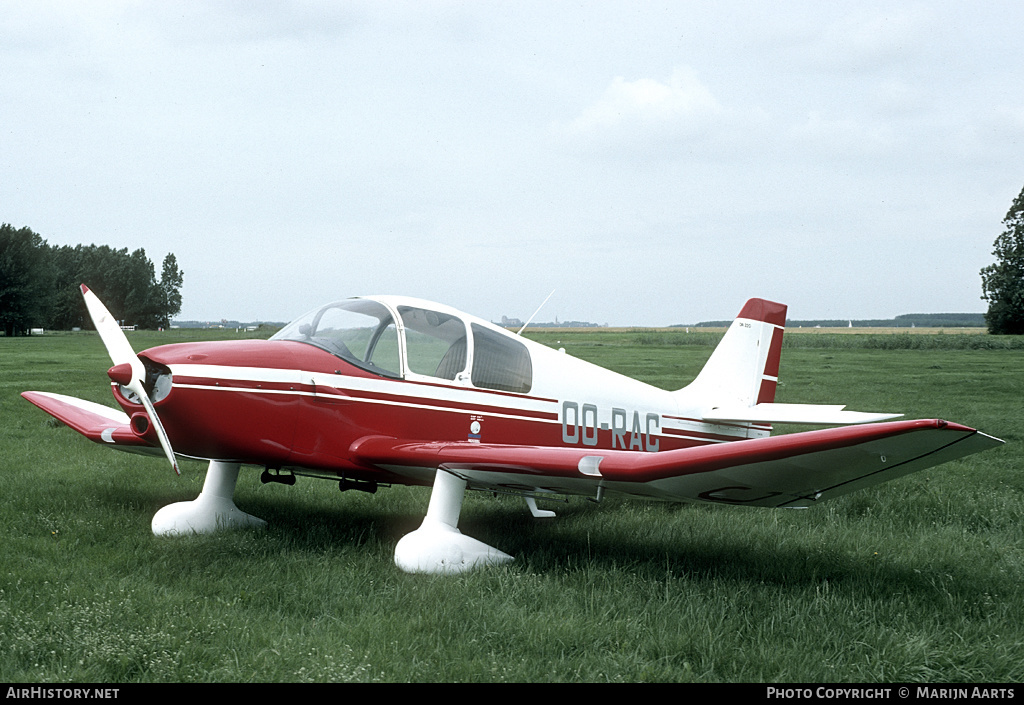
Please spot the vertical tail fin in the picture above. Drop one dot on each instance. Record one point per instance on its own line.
(744, 368)
(737, 384)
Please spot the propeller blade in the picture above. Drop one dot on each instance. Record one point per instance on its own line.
(118, 347)
(121, 353)
(165, 442)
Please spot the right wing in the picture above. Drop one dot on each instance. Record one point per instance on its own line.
(793, 470)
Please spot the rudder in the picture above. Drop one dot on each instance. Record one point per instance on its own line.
(743, 370)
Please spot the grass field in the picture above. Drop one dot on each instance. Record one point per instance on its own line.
(918, 580)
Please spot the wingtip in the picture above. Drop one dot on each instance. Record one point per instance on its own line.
(84, 288)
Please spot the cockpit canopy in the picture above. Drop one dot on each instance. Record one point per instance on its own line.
(428, 343)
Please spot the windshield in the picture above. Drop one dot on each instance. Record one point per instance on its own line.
(359, 331)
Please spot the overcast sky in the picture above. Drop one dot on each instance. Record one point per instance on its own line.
(652, 163)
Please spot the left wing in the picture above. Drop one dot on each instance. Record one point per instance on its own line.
(98, 423)
(794, 470)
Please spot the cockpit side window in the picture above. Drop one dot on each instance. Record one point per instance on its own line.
(500, 362)
(435, 342)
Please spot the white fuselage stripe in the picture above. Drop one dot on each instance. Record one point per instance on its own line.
(307, 384)
(365, 400)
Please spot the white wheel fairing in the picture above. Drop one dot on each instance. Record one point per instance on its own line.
(438, 546)
(213, 510)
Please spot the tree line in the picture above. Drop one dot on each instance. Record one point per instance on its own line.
(39, 284)
(904, 320)
(1003, 281)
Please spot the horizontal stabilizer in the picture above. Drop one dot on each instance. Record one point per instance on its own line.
(793, 413)
(100, 424)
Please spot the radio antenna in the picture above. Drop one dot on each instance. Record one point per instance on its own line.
(535, 313)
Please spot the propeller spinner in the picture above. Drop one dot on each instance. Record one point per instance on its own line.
(128, 370)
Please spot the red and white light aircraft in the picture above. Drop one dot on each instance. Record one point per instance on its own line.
(392, 390)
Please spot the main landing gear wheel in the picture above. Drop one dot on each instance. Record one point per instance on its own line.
(438, 546)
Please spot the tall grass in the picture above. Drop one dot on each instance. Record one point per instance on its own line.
(867, 341)
(918, 580)
(905, 341)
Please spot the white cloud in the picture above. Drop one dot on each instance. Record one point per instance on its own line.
(661, 114)
(682, 101)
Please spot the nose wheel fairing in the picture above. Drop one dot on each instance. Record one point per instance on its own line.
(213, 510)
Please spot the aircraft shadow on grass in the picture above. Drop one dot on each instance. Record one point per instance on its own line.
(547, 548)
